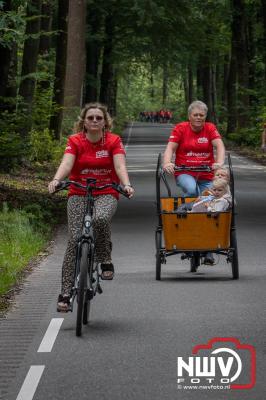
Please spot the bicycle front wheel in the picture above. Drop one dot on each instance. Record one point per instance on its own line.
(82, 287)
(90, 289)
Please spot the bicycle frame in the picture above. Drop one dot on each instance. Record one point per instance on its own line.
(87, 235)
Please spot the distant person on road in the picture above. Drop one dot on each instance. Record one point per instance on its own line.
(91, 152)
(193, 143)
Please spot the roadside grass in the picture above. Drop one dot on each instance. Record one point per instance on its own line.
(21, 239)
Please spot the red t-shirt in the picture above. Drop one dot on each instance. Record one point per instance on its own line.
(94, 160)
(194, 148)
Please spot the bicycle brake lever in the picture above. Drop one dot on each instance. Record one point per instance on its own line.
(61, 186)
(120, 189)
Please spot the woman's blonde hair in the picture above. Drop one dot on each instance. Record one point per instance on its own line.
(79, 125)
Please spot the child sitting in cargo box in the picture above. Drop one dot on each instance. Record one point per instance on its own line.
(207, 195)
(220, 200)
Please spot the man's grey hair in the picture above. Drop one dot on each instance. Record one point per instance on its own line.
(197, 104)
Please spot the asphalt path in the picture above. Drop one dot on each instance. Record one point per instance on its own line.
(139, 326)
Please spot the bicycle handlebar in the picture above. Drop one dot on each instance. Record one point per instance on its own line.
(91, 183)
(200, 168)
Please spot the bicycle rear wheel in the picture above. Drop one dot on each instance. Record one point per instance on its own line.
(82, 288)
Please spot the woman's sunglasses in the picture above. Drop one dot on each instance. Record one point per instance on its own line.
(93, 117)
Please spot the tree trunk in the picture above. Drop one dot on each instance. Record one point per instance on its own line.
(190, 84)
(224, 94)
(7, 85)
(199, 82)
(213, 94)
(45, 38)
(263, 5)
(240, 22)
(152, 84)
(112, 93)
(107, 75)
(207, 86)
(252, 47)
(46, 27)
(231, 91)
(76, 54)
(165, 84)
(60, 69)
(94, 45)
(29, 61)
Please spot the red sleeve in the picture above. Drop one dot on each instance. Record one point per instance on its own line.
(176, 134)
(118, 147)
(71, 146)
(214, 134)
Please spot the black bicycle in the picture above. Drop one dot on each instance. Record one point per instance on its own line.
(87, 270)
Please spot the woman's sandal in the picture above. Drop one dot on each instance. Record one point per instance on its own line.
(63, 303)
(107, 272)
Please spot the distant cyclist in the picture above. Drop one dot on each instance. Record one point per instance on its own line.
(92, 152)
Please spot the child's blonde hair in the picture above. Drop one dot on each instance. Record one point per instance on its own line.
(220, 182)
(225, 170)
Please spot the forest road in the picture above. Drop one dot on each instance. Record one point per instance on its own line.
(139, 326)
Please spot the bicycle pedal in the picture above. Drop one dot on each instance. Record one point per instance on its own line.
(99, 289)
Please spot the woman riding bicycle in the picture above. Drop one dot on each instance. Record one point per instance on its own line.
(193, 143)
(92, 152)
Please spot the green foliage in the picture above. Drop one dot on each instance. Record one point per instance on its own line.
(19, 242)
(58, 151)
(70, 117)
(147, 36)
(12, 149)
(12, 24)
(262, 114)
(246, 137)
(136, 93)
(44, 148)
(41, 145)
(41, 110)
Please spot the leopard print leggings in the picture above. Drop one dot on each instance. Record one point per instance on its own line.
(104, 208)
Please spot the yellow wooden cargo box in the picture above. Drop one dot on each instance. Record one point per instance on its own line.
(194, 231)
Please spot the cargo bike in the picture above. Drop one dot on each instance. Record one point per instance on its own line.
(192, 235)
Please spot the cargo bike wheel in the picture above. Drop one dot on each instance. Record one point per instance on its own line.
(194, 261)
(234, 256)
(158, 244)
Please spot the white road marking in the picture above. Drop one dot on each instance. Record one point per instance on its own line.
(31, 382)
(141, 170)
(136, 155)
(250, 166)
(50, 335)
(129, 135)
(145, 146)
